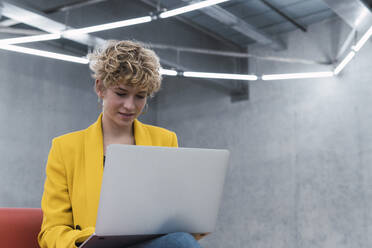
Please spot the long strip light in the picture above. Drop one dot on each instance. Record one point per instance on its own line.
(168, 72)
(46, 54)
(354, 50)
(220, 75)
(363, 40)
(298, 75)
(190, 7)
(31, 38)
(107, 26)
(344, 62)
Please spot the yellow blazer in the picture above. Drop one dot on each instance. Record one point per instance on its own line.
(73, 181)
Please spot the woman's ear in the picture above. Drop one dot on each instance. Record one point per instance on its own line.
(99, 87)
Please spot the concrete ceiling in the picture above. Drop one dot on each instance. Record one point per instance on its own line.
(238, 22)
(250, 20)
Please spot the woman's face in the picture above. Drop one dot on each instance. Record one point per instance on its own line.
(122, 103)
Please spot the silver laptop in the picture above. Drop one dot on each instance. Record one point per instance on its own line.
(151, 191)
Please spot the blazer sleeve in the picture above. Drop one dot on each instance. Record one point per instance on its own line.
(57, 229)
(174, 139)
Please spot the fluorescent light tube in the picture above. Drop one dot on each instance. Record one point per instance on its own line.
(168, 72)
(107, 26)
(31, 38)
(344, 62)
(363, 40)
(45, 54)
(297, 75)
(190, 7)
(219, 75)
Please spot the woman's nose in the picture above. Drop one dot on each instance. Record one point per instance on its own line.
(129, 103)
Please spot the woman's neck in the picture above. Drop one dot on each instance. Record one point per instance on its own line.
(110, 129)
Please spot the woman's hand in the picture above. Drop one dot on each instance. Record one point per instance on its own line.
(199, 236)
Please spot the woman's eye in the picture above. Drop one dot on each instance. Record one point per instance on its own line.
(140, 96)
(120, 94)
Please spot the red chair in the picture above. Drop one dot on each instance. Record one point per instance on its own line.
(19, 227)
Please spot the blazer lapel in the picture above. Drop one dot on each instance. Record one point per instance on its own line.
(142, 136)
(94, 164)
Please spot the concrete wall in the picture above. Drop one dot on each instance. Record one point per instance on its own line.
(39, 99)
(300, 173)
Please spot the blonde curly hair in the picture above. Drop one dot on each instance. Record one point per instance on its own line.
(126, 62)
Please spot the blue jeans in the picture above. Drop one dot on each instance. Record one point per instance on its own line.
(172, 240)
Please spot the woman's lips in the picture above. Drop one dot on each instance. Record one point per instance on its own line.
(126, 115)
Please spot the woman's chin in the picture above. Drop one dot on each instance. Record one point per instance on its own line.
(125, 122)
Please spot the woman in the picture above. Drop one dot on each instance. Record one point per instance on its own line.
(126, 75)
